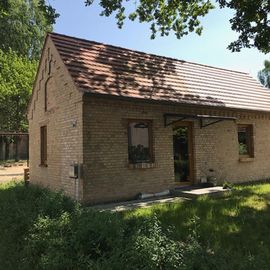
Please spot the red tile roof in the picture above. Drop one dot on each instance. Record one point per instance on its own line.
(104, 69)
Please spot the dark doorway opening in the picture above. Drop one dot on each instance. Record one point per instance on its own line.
(182, 151)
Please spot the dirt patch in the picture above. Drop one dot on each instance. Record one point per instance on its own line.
(12, 172)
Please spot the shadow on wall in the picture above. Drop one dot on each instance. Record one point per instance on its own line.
(102, 69)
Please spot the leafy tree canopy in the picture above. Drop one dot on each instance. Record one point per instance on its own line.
(23, 25)
(264, 74)
(16, 79)
(251, 18)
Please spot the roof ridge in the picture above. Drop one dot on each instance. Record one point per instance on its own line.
(150, 54)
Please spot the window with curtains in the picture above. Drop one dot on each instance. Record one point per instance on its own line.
(245, 140)
(140, 144)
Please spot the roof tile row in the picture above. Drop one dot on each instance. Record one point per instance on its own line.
(104, 69)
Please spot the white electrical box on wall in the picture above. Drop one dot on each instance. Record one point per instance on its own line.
(203, 179)
(74, 170)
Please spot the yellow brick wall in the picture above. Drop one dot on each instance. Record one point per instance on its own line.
(107, 176)
(106, 172)
(64, 140)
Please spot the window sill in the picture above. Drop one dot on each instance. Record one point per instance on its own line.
(143, 165)
(246, 159)
(43, 165)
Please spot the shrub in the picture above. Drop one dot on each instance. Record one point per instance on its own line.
(153, 248)
(46, 230)
(20, 207)
(93, 240)
(227, 185)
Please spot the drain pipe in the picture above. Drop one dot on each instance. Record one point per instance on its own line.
(143, 196)
(75, 174)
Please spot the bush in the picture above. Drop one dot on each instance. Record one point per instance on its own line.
(20, 208)
(227, 185)
(46, 230)
(92, 240)
(154, 247)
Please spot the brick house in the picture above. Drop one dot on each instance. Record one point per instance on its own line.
(107, 123)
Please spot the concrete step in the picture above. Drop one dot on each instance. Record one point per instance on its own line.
(195, 192)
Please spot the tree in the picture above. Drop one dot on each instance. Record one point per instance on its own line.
(251, 19)
(264, 74)
(23, 26)
(16, 79)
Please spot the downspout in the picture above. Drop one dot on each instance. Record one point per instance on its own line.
(80, 156)
(76, 167)
(77, 183)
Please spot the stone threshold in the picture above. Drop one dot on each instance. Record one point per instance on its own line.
(131, 205)
(194, 192)
(177, 195)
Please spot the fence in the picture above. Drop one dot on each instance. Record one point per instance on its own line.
(14, 146)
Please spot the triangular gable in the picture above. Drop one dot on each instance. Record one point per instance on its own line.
(44, 75)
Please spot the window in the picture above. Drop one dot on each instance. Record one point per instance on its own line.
(245, 140)
(43, 146)
(140, 149)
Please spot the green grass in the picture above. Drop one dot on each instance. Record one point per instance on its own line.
(40, 229)
(237, 226)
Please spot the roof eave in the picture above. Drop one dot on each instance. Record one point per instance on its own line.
(169, 102)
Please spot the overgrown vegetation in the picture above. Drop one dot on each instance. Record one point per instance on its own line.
(45, 230)
(23, 26)
(250, 19)
(233, 231)
(264, 74)
(16, 78)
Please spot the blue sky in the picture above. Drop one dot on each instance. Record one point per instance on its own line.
(210, 48)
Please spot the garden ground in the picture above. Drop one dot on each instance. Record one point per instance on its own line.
(45, 230)
(237, 225)
(12, 171)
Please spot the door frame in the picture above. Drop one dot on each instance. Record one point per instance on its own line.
(190, 126)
